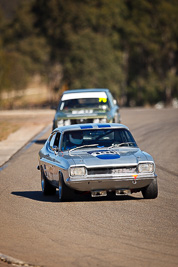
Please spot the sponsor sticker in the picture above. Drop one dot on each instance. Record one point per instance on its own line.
(105, 154)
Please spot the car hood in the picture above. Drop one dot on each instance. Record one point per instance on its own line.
(103, 157)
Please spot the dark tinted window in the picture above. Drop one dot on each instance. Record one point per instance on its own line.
(54, 140)
(102, 137)
(84, 103)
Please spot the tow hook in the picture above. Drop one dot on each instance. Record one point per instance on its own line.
(134, 182)
(135, 177)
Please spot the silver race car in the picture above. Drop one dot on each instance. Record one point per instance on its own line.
(96, 159)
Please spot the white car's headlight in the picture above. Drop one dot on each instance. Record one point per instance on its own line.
(77, 171)
(96, 120)
(103, 120)
(63, 122)
(146, 167)
(59, 123)
(66, 122)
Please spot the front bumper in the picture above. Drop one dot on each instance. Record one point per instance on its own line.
(113, 183)
(80, 119)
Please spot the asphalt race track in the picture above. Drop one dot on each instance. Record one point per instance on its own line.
(122, 231)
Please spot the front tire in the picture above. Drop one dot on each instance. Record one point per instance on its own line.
(65, 193)
(151, 191)
(47, 188)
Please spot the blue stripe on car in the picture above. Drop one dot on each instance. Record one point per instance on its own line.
(108, 156)
(86, 127)
(103, 125)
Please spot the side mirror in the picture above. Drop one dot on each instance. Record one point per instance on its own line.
(56, 150)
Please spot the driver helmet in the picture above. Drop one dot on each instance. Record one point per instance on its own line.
(76, 137)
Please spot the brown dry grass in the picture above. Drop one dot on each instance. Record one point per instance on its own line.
(11, 121)
(24, 102)
(7, 128)
(36, 96)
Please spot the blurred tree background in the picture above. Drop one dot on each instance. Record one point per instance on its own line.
(130, 47)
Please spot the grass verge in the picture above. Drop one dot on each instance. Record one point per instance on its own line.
(7, 128)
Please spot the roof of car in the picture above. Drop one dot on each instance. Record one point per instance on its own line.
(88, 126)
(86, 90)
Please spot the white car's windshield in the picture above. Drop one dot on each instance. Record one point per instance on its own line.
(84, 103)
(102, 137)
(84, 100)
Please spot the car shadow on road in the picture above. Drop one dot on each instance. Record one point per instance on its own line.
(40, 142)
(38, 196)
(108, 198)
(35, 195)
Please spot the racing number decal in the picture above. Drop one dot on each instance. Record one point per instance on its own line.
(101, 99)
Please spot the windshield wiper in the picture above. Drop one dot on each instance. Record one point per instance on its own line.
(78, 147)
(118, 145)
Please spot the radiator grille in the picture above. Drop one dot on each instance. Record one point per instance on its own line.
(118, 170)
(78, 121)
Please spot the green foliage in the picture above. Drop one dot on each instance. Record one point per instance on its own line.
(130, 47)
(23, 52)
(82, 37)
(12, 73)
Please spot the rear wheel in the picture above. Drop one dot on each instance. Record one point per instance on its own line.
(151, 191)
(47, 188)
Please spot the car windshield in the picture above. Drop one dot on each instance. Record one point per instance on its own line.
(83, 104)
(84, 100)
(102, 137)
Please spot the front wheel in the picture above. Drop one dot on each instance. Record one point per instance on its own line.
(151, 191)
(47, 188)
(65, 193)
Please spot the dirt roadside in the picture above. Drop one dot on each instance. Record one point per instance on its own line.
(27, 124)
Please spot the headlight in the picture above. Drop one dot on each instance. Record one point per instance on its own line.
(146, 167)
(63, 122)
(59, 123)
(96, 120)
(77, 171)
(103, 120)
(66, 122)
